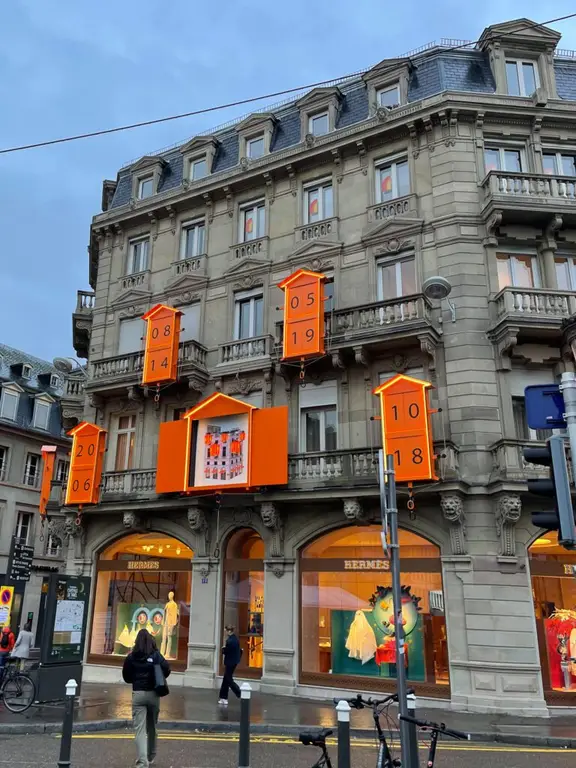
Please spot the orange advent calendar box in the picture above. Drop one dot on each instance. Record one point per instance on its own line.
(303, 314)
(223, 444)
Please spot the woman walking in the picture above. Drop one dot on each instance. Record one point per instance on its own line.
(139, 671)
(232, 654)
(23, 644)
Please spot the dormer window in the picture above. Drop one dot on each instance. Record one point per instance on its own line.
(389, 97)
(198, 157)
(41, 415)
(319, 125)
(26, 371)
(319, 111)
(146, 174)
(54, 381)
(145, 187)
(9, 402)
(521, 77)
(255, 135)
(255, 147)
(198, 168)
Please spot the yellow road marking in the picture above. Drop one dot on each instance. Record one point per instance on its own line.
(365, 743)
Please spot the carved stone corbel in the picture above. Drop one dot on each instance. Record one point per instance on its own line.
(337, 157)
(337, 360)
(360, 355)
(282, 370)
(95, 401)
(429, 128)
(154, 225)
(209, 203)
(444, 126)
(414, 139)
(134, 394)
(549, 235)
(131, 520)
(229, 200)
(108, 239)
(270, 187)
(292, 178)
(453, 128)
(272, 519)
(480, 130)
(268, 376)
(453, 511)
(119, 237)
(508, 512)
(200, 527)
(505, 344)
(172, 216)
(492, 228)
(427, 346)
(354, 512)
(362, 156)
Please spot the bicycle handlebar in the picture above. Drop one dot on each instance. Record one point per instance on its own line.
(359, 703)
(439, 727)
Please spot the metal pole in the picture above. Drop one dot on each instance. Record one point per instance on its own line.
(66, 742)
(343, 710)
(244, 742)
(568, 390)
(412, 731)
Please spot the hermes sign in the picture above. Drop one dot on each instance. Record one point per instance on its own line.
(143, 565)
(366, 565)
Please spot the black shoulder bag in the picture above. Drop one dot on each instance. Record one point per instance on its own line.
(160, 685)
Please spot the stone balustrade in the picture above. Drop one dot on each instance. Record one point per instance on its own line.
(189, 353)
(257, 249)
(327, 229)
(534, 302)
(133, 482)
(245, 349)
(529, 186)
(401, 206)
(85, 301)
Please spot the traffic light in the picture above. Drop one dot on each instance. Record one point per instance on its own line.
(556, 487)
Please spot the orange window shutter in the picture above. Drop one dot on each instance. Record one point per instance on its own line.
(269, 447)
(173, 456)
(49, 457)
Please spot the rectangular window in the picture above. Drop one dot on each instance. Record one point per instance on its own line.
(193, 236)
(517, 270)
(396, 279)
(198, 169)
(54, 381)
(319, 430)
(389, 97)
(521, 77)
(145, 187)
(9, 404)
(249, 315)
(252, 221)
(392, 180)
(3, 463)
(523, 431)
(41, 414)
(32, 470)
(62, 469)
(138, 256)
(131, 335)
(190, 322)
(318, 203)
(53, 546)
(125, 437)
(255, 147)
(319, 125)
(24, 527)
(556, 163)
(502, 159)
(565, 273)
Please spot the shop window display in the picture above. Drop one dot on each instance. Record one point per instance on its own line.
(553, 571)
(347, 612)
(142, 581)
(244, 597)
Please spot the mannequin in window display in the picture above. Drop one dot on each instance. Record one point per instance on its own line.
(171, 618)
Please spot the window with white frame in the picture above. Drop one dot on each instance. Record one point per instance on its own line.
(198, 168)
(389, 96)
(137, 255)
(3, 462)
(319, 429)
(131, 335)
(318, 202)
(248, 314)
(41, 415)
(392, 179)
(523, 431)
(521, 76)
(26, 371)
(255, 147)
(518, 270)
(193, 239)
(503, 159)
(54, 381)
(24, 521)
(32, 470)
(319, 125)
(396, 278)
(252, 221)
(145, 187)
(565, 273)
(62, 469)
(53, 546)
(559, 163)
(125, 439)
(9, 403)
(190, 322)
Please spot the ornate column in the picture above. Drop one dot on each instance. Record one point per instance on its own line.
(508, 511)
(453, 511)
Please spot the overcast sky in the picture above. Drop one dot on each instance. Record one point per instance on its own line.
(70, 66)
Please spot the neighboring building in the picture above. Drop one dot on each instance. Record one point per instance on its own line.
(459, 163)
(31, 392)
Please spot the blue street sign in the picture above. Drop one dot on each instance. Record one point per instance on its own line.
(544, 407)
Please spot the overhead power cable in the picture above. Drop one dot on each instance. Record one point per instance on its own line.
(240, 102)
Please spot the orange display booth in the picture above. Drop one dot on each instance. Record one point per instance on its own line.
(223, 444)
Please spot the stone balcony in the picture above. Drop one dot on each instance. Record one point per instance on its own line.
(73, 398)
(82, 322)
(245, 354)
(401, 206)
(111, 375)
(325, 230)
(508, 462)
(194, 266)
(133, 483)
(251, 249)
(531, 198)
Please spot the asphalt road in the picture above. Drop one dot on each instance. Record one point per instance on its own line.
(116, 750)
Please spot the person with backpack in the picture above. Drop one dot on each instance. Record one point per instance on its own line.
(232, 653)
(146, 670)
(7, 642)
(24, 643)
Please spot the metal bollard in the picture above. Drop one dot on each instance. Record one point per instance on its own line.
(412, 731)
(343, 710)
(244, 742)
(66, 743)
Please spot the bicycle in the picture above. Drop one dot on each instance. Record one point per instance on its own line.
(435, 730)
(318, 739)
(17, 690)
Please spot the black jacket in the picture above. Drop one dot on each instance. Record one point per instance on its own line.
(138, 669)
(232, 652)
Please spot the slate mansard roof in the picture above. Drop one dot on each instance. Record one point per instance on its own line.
(437, 71)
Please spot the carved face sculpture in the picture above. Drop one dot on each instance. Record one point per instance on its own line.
(383, 610)
(351, 509)
(451, 507)
(269, 515)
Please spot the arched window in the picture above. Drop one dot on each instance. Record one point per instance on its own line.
(347, 617)
(143, 580)
(244, 597)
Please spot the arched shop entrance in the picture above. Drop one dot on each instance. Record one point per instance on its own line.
(142, 580)
(243, 605)
(553, 572)
(347, 621)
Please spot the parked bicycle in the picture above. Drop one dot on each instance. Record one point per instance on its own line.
(318, 739)
(17, 690)
(435, 730)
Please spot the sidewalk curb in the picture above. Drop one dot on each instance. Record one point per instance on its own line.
(190, 726)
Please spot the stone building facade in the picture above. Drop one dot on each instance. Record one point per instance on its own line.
(451, 162)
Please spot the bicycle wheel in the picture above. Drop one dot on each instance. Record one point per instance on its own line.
(19, 693)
